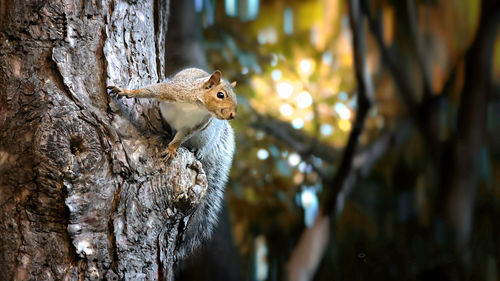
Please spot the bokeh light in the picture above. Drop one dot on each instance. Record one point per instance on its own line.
(284, 89)
(306, 67)
(276, 74)
(304, 99)
(344, 125)
(262, 154)
(294, 159)
(298, 123)
(326, 129)
(342, 111)
(286, 109)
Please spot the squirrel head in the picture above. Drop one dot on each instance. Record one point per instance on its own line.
(219, 97)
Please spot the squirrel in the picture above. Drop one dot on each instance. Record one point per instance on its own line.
(197, 105)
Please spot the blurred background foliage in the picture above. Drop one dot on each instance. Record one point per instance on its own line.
(294, 64)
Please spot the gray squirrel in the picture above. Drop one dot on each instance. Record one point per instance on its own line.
(197, 105)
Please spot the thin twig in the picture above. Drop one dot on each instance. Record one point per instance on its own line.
(424, 67)
(419, 113)
(298, 141)
(364, 99)
(364, 161)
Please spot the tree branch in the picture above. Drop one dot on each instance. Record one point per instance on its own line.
(424, 67)
(310, 248)
(313, 241)
(462, 168)
(402, 82)
(418, 112)
(364, 161)
(305, 145)
(364, 100)
(296, 139)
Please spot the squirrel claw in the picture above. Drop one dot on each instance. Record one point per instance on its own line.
(168, 154)
(113, 90)
(198, 154)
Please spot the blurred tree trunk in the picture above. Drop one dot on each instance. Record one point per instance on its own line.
(461, 164)
(458, 158)
(84, 193)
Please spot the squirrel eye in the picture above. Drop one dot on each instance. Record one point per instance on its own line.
(220, 95)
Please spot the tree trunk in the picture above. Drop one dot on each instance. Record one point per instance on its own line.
(84, 193)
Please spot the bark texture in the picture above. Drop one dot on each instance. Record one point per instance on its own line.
(84, 193)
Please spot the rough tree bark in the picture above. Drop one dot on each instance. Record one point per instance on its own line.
(84, 193)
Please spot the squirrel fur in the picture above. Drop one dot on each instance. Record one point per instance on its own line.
(197, 105)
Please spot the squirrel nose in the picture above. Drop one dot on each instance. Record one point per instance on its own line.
(232, 115)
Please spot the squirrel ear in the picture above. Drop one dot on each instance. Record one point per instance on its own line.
(214, 79)
(233, 84)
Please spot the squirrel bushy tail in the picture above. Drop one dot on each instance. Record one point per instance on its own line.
(216, 159)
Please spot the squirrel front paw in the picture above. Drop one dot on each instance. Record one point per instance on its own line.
(169, 154)
(113, 90)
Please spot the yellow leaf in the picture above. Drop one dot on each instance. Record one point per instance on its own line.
(388, 21)
(496, 60)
